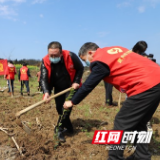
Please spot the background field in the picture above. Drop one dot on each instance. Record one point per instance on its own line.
(90, 115)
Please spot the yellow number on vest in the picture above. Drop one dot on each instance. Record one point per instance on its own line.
(114, 51)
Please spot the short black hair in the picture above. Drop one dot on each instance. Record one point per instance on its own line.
(87, 46)
(10, 61)
(24, 64)
(54, 45)
(140, 47)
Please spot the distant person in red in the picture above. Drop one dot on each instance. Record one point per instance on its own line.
(130, 73)
(24, 74)
(9, 75)
(38, 79)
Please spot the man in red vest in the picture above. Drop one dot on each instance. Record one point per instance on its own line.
(9, 75)
(131, 73)
(60, 69)
(24, 74)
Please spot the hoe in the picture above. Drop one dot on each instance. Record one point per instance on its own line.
(22, 124)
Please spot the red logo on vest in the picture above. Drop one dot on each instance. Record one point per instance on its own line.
(24, 74)
(23, 71)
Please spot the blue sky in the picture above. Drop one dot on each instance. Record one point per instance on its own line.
(28, 26)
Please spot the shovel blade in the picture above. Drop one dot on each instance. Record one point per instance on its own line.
(27, 129)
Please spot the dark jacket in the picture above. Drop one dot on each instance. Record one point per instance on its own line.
(59, 76)
(99, 71)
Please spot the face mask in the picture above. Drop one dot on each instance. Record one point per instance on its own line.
(88, 63)
(55, 60)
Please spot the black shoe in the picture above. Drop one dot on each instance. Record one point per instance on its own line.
(61, 137)
(114, 104)
(59, 131)
(21, 94)
(111, 104)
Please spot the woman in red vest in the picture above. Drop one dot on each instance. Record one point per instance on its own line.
(9, 75)
(60, 69)
(130, 73)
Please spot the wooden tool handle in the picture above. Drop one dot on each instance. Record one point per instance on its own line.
(40, 102)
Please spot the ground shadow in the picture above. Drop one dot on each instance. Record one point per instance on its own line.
(81, 125)
(155, 120)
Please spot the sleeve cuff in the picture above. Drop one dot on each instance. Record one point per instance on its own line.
(76, 81)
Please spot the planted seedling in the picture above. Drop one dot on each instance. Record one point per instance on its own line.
(57, 142)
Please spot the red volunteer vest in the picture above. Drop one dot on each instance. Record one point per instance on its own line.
(129, 72)
(11, 72)
(24, 75)
(68, 64)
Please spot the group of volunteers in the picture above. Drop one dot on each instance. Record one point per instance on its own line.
(23, 77)
(129, 71)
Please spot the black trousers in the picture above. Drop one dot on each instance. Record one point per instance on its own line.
(39, 87)
(26, 83)
(66, 122)
(133, 116)
(12, 85)
(108, 89)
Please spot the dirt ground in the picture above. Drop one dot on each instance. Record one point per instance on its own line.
(90, 115)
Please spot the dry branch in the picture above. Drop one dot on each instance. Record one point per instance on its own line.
(19, 149)
(38, 123)
(90, 111)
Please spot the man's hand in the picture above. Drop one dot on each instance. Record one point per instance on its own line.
(67, 104)
(75, 85)
(46, 97)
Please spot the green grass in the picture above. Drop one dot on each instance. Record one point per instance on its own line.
(9, 141)
(33, 84)
(31, 67)
(83, 107)
(90, 134)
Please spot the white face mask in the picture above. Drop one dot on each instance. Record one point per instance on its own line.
(55, 60)
(87, 61)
